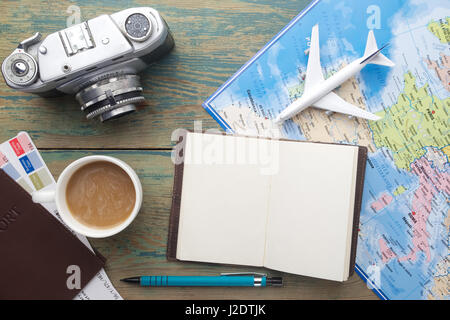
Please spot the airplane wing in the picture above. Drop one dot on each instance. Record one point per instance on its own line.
(335, 103)
(314, 74)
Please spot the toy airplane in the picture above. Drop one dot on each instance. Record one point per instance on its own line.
(318, 91)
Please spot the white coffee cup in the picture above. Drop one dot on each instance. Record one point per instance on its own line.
(58, 196)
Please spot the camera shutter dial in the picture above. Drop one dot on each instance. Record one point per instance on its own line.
(20, 68)
(138, 27)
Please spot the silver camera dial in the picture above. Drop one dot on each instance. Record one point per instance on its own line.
(20, 68)
(138, 27)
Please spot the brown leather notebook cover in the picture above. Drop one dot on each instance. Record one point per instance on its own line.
(177, 191)
(36, 249)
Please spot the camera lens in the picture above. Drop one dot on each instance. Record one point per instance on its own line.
(111, 97)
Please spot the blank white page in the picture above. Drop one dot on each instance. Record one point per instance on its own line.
(311, 210)
(223, 203)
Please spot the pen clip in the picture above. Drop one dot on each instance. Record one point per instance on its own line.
(244, 274)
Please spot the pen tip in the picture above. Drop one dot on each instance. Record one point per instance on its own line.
(133, 279)
(275, 281)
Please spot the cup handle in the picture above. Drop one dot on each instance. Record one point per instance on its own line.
(44, 196)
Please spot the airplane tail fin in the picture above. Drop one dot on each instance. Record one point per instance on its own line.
(372, 50)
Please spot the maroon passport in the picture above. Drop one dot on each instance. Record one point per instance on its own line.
(37, 253)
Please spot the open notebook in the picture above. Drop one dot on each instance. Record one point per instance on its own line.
(286, 205)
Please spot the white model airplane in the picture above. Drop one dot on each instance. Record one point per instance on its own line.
(318, 91)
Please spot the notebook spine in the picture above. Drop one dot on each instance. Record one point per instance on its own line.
(362, 159)
(176, 201)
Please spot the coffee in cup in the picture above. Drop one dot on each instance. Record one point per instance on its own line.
(100, 195)
(96, 196)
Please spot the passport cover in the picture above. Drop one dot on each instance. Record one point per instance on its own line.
(36, 249)
(177, 191)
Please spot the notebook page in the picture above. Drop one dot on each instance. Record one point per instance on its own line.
(223, 205)
(311, 210)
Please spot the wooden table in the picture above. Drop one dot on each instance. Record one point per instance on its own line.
(213, 39)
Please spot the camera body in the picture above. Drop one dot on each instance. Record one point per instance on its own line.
(97, 60)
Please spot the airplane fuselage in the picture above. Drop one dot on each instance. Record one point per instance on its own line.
(318, 91)
(323, 88)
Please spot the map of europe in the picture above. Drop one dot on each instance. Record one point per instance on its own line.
(403, 237)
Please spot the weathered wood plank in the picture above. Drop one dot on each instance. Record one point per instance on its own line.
(213, 39)
(141, 248)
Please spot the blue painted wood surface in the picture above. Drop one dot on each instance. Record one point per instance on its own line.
(213, 39)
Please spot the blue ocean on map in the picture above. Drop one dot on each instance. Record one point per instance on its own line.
(279, 61)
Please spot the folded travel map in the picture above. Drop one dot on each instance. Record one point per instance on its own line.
(403, 245)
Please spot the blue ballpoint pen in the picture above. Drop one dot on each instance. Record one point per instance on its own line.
(224, 280)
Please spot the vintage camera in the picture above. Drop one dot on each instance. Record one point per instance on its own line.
(97, 60)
